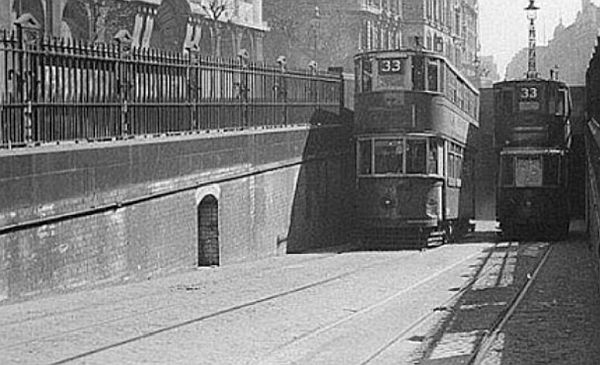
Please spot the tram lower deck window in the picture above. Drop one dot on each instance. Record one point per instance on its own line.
(416, 162)
(389, 156)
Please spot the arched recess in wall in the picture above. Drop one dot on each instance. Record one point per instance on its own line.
(205, 46)
(75, 21)
(170, 25)
(33, 7)
(247, 43)
(228, 47)
(207, 203)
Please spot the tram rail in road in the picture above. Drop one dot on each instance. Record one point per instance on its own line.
(482, 350)
(309, 310)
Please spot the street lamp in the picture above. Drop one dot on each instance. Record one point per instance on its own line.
(531, 11)
(315, 25)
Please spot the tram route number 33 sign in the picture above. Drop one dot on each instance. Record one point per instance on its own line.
(528, 99)
(391, 65)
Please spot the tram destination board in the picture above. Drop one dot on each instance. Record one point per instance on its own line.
(394, 65)
(528, 98)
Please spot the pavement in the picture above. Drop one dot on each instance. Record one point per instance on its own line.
(328, 307)
(558, 322)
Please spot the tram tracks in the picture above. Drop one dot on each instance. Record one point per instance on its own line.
(110, 345)
(400, 336)
(483, 348)
(198, 319)
(487, 341)
(483, 345)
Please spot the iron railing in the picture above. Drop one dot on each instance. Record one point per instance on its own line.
(53, 90)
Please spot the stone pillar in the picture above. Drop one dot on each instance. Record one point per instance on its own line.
(56, 7)
(6, 14)
(258, 46)
(150, 15)
(144, 23)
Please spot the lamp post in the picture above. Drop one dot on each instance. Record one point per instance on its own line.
(315, 25)
(531, 15)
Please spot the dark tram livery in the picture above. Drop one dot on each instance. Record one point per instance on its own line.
(533, 137)
(414, 117)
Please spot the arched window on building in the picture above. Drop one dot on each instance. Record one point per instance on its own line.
(369, 38)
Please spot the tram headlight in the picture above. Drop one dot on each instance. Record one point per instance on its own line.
(387, 202)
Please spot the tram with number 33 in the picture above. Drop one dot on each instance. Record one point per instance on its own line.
(415, 118)
(533, 137)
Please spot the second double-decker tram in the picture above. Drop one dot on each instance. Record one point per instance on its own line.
(415, 116)
(532, 192)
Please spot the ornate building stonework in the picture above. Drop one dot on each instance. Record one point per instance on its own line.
(331, 32)
(214, 27)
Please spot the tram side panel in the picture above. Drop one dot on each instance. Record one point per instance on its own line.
(405, 112)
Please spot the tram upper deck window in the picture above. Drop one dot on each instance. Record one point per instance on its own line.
(416, 161)
(562, 103)
(504, 101)
(432, 75)
(389, 156)
(367, 75)
(365, 163)
(418, 72)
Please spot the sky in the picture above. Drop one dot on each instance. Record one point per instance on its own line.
(504, 25)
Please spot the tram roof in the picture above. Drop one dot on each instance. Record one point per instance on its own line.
(391, 52)
(532, 151)
(525, 80)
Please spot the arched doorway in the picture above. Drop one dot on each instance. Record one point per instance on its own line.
(205, 45)
(208, 231)
(76, 22)
(246, 42)
(228, 48)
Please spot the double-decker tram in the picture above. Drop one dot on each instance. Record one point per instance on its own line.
(415, 116)
(533, 137)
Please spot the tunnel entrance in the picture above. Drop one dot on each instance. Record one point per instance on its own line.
(208, 231)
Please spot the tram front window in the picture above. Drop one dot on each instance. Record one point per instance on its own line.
(528, 172)
(432, 163)
(507, 172)
(389, 156)
(551, 170)
(416, 162)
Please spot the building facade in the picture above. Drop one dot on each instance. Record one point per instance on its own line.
(568, 52)
(332, 31)
(449, 27)
(214, 27)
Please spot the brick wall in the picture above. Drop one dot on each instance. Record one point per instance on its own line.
(80, 216)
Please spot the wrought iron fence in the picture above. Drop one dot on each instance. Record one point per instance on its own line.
(52, 90)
